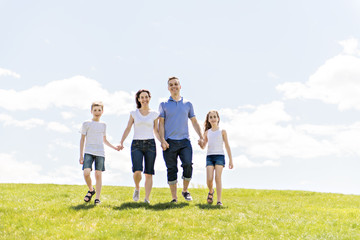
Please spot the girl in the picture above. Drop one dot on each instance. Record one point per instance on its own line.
(215, 159)
(143, 145)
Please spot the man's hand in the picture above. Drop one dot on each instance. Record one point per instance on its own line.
(164, 145)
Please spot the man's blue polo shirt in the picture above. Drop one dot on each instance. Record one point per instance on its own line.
(176, 115)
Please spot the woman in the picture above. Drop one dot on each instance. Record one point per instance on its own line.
(143, 147)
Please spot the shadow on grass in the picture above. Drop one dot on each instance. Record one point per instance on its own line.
(83, 206)
(154, 207)
(207, 206)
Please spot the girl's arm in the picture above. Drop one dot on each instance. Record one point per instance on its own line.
(227, 146)
(156, 129)
(205, 140)
(126, 132)
(82, 141)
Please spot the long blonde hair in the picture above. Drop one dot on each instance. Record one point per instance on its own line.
(207, 124)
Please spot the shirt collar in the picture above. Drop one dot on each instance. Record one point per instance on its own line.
(171, 99)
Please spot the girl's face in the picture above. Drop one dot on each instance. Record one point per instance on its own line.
(213, 118)
(144, 99)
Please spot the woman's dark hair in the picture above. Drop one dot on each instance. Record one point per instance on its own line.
(137, 95)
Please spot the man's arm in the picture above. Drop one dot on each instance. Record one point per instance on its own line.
(164, 144)
(197, 129)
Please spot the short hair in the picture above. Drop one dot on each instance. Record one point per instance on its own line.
(137, 95)
(97, 104)
(172, 78)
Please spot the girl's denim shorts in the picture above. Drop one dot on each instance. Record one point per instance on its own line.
(212, 160)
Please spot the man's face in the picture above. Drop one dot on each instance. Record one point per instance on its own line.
(174, 86)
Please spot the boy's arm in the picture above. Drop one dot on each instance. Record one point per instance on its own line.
(82, 142)
(126, 132)
(164, 144)
(227, 146)
(109, 144)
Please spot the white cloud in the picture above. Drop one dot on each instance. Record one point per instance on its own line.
(272, 75)
(58, 127)
(77, 92)
(6, 72)
(27, 124)
(243, 162)
(67, 115)
(337, 81)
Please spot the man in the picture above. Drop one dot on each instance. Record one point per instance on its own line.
(174, 134)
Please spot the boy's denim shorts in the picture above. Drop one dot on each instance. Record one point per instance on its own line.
(143, 151)
(212, 160)
(99, 162)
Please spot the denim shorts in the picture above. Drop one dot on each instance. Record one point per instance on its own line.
(212, 160)
(99, 162)
(183, 150)
(143, 151)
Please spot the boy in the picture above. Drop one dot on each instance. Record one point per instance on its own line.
(94, 132)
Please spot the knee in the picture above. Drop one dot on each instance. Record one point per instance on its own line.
(87, 172)
(98, 174)
(137, 174)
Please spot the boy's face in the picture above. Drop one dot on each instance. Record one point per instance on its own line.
(97, 111)
(174, 86)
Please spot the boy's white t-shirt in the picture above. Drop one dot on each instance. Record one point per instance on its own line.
(144, 125)
(94, 140)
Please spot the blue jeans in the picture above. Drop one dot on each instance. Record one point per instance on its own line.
(143, 150)
(178, 148)
(99, 162)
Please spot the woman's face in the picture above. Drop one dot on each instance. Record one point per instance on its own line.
(144, 99)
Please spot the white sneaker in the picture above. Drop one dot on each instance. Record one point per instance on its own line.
(146, 201)
(136, 195)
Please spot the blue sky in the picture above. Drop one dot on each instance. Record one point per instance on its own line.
(284, 76)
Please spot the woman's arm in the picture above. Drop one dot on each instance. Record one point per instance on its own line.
(126, 131)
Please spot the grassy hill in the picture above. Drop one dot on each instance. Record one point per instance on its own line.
(30, 211)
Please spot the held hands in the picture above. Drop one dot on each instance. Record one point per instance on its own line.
(120, 147)
(164, 145)
(201, 143)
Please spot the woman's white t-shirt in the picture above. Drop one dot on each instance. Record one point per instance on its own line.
(94, 141)
(144, 125)
(215, 142)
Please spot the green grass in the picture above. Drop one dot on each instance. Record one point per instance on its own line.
(30, 211)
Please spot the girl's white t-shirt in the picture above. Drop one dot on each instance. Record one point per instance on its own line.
(215, 142)
(144, 125)
(94, 140)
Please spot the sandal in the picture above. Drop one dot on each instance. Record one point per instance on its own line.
(88, 197)
(97, 201)
(210, 197)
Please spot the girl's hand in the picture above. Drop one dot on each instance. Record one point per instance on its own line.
(165, 145)
(231, 166)
(120, 147)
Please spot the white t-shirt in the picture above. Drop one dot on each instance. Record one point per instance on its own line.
(215, 142)
(144, 125)
(94, 140)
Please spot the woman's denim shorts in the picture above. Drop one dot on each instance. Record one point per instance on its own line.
(212, 160)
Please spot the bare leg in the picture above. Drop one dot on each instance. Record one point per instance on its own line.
(87, 178)
(218, 172)
(98, 177)
(137, 179)
(210, 177)
(148, 185)
(186, 185)
(173, 189)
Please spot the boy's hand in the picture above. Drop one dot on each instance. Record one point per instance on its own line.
(120, 147)
(81, 160)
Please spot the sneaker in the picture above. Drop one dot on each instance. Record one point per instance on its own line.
(146, 201)
(136, 195)
(97, 201)
(174, 201)
(187, 196)
(219, 203)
